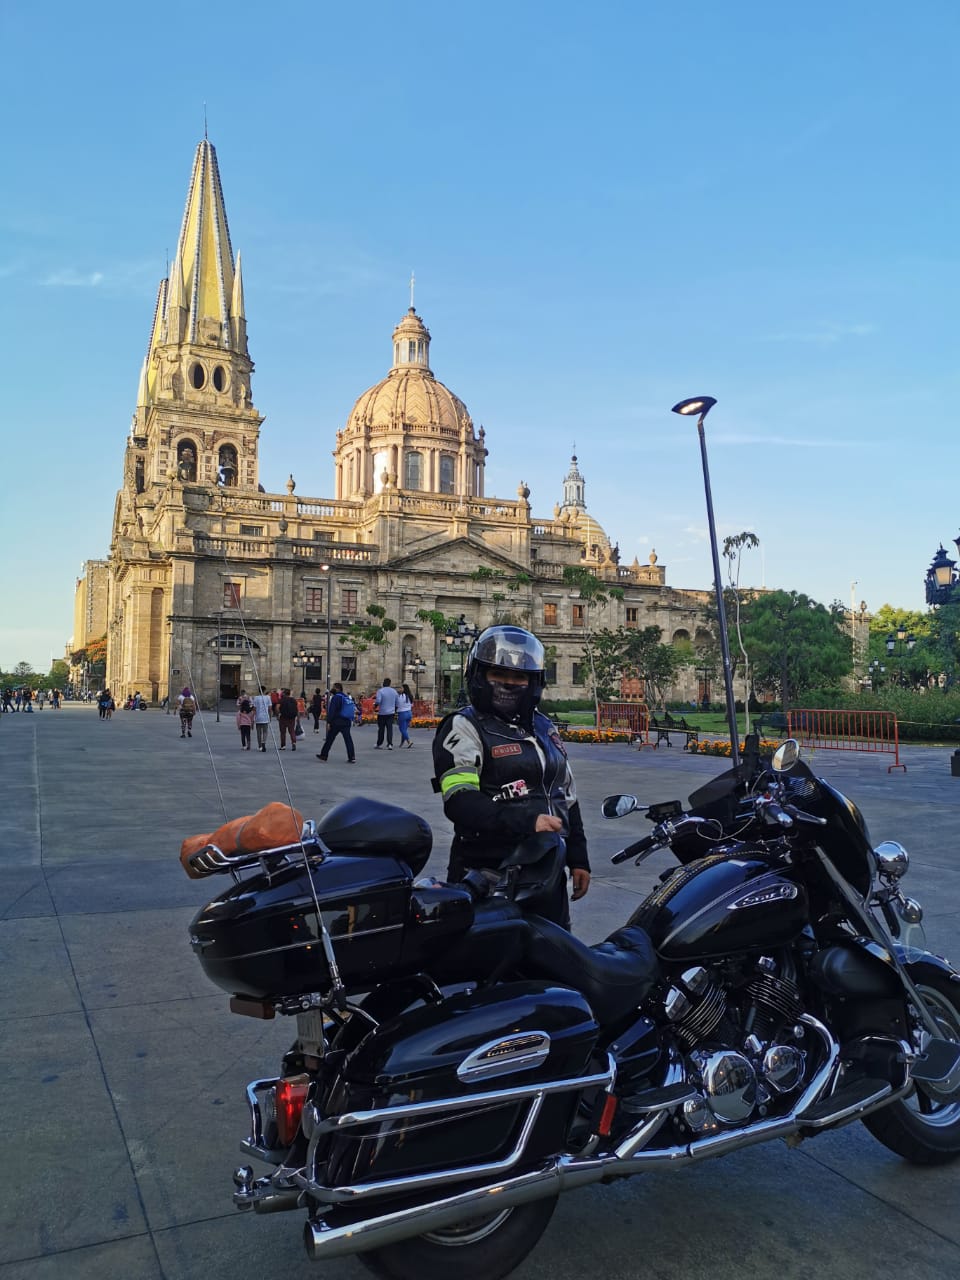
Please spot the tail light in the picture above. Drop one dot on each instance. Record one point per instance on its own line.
(290, 1094)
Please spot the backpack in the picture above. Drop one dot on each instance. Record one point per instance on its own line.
(188, 707)
(348, 708)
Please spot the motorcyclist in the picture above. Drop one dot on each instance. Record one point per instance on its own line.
(501, 768)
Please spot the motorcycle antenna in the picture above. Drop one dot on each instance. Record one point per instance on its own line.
(702, 405)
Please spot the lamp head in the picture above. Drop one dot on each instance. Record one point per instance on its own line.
(697, 404)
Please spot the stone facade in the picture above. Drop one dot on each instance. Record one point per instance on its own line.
(216, 584)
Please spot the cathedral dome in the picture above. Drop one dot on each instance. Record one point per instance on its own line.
(591, 534)
(410, 395)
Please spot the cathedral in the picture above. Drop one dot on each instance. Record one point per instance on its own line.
(216, 583)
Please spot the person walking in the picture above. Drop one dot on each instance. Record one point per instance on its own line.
(245, 722)
(287, 717)
(340, 711)
(187, 708)
(404, 714)
(262, 707)
(501, 768)
(316, 709)
(386, 705)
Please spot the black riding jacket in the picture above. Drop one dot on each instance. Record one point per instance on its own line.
(496, 778)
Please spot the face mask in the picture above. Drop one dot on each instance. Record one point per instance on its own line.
(506, 699)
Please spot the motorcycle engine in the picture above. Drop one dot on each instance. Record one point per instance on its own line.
(742, 1054)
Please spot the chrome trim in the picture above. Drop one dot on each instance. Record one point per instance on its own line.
(412, 1110)
(783, 892)
(211, 859)
(505, 1055)
(390, 1186)
(565, 1173)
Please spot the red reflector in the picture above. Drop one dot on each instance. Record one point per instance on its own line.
(606, 1116)
(290, 1094)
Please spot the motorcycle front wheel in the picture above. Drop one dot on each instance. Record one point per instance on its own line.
(486, 1248)
(921, 1128)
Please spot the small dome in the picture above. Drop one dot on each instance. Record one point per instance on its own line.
(410, 395)
(591, 533)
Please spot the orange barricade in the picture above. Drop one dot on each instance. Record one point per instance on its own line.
(634, 716)
(873, 731)
(422, 708)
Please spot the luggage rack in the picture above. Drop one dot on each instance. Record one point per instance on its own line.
(211, 860)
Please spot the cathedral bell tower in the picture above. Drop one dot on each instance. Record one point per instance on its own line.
(195, 421)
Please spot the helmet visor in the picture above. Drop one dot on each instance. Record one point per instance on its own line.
(510, 647)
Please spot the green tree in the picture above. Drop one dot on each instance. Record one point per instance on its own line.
(594, 595)
(513, 583)
(657, 664)
(797, 644)
(360, 635)
(733, 549)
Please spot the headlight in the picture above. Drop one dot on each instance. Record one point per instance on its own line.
(892, 860)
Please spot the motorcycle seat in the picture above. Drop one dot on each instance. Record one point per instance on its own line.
(614, 975)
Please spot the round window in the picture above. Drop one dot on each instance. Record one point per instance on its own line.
(219, 378)
(197, 376)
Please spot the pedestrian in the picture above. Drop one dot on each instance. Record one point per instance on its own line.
(386, 705)
(316, 709)
(245, 716)
(187, 707)
(103, 701)
(55, 699)
(28, 700)
(262, 710)
(501, 768)
(404, 714)
(340, 712)
(287, 717)
(40, 699)
(8, 700)
(274, 701)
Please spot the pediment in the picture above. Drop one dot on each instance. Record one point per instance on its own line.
(448, 554)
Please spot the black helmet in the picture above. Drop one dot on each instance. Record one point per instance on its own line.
(517, 650)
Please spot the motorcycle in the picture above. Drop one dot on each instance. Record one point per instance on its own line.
(460, 1061)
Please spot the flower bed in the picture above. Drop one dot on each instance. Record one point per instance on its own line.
(722, 747)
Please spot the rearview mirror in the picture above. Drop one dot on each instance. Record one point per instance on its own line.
(786, 756)
(618, 806)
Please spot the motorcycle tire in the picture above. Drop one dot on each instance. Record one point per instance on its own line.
(486, 1248)
(920, 1128)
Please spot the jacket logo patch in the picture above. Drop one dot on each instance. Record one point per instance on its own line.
(507, 749)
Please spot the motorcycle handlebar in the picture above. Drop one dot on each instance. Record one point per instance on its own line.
(638, 847)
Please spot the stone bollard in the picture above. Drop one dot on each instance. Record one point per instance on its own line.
(955, 763)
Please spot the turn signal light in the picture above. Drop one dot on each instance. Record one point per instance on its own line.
(290, 1094)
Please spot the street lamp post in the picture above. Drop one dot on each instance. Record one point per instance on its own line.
(702, 405)
(896, 645)
(328, 570)
(875, 670)
(460, 638)
(416, 669)
(302, 660)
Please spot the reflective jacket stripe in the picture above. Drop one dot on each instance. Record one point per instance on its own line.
(459, 780)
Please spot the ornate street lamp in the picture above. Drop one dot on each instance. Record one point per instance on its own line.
(701, 405)
(896, 645)
(416, 668)
(941, 577)
(302, 660)
(875, 670)
(460, 638)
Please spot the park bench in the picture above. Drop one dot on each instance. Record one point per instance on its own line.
(772, 724)
(666, 724)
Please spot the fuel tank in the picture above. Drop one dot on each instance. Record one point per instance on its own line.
(722, 904)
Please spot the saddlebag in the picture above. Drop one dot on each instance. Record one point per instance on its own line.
(478, 1085)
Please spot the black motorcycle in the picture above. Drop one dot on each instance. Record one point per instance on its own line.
(460, 1061)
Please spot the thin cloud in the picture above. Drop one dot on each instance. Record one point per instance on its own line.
(69, 278)
(828, 334)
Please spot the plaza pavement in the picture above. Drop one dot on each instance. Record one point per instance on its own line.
(124, 1071)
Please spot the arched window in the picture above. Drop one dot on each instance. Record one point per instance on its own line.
(227, 468)
(680, 636)
(446, 474)
(413, 471)
(186, 460)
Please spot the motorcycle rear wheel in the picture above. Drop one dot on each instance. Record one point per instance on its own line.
(486, 1248)
(920, 1128)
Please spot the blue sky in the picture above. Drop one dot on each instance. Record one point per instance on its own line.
(608, 208)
